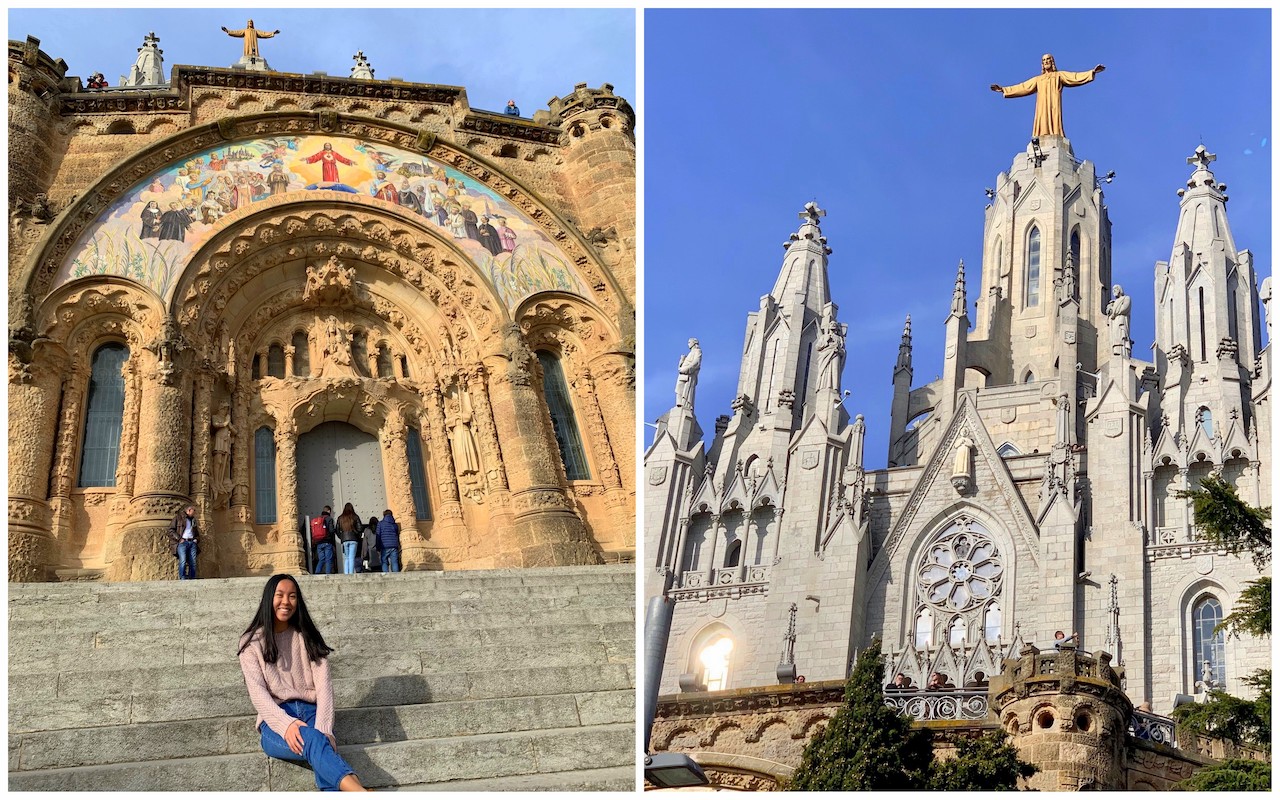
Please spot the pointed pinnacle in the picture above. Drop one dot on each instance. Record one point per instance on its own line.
(959, 299)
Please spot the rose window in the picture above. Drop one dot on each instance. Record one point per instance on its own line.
(961, 569)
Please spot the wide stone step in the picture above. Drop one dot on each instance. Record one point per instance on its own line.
(609, 779)
(411, 762)
(111, 650)
(45, 709)
(92, 746)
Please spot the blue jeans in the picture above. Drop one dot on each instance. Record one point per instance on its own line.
(186, 560)
(391, 559)
(324, 558)
(349, 550)
(317, 750)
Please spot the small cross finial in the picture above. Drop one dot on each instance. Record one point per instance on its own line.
(1202, 157)
(812, 213)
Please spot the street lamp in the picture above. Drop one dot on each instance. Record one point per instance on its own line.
(664, 770)
(673, 770)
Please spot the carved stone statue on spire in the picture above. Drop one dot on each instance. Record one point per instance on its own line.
(687, 381)
(1047, 87)
(1118, 313)
(831, 350)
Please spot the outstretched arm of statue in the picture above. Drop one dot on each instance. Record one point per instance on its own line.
(1021, 89)
(238, 34)
(995, 87)
(1077, 78)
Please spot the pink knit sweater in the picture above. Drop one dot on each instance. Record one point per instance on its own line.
(292, 677)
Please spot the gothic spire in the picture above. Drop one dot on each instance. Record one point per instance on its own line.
(1203, 217)
(904, 347)
(804, 267)
(361, 70)
(959, 299)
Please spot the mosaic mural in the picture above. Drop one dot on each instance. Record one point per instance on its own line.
(151, 232)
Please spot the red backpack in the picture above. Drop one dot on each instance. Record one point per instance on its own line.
(319, 532)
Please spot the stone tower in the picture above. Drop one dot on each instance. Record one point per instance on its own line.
(1066, 713)
(33, 109)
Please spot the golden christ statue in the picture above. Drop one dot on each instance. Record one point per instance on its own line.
(1047, 87)
(251, 35)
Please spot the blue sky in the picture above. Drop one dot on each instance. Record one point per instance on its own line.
(529, 55)
(886, 119)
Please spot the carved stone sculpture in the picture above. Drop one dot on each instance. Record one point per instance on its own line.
(962, 466)
(830, 349)
(466, 456)
(224, 432)
(687, 381)
(1118, 313)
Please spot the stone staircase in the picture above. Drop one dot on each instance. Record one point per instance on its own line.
(475, 680)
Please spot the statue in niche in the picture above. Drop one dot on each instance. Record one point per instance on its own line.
(1264, 294)
(830, 349)
(223, 433)
(335, 349)
(687, 381)
(1118, 314)
(458, 419)
(962, 466)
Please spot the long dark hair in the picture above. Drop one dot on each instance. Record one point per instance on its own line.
(264, 620)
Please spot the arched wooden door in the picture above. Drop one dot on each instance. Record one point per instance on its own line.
(338, 464)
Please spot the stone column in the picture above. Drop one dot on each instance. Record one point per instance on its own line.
(495, 468)
(163, 479)
(289, 544)
(33, 414)
(288, 360)
(674, 563)
(64, 458)
(713, 535)
(201, 496)
(395, 461)
(615, 379)
(1188, 509)
(126, 463)
(622, 506)
(448, 506)
(545, 529)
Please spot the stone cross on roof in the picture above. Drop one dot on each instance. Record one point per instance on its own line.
(1202, 157)
(150, 38)
(812, 213)
(362, 69)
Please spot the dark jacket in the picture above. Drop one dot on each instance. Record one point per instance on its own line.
(176, 528)
(388, 532)
(352, 535)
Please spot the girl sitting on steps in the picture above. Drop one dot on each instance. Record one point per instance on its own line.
(286, 669)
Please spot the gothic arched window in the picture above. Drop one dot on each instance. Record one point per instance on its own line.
(1033, 267)
(563, 423)
(301, 355)
(733, 556)
(713, 662)
(992, 623)
(104, 416)
(384, 362)
(275, 361)
(958, 633)
(264, 476)
(923, 634)
(1207, 646)
(417, 475)
(1204, 418)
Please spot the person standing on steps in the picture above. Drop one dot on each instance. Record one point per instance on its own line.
(184, 536)
(349, 527)
(369, 549)
(389, 542)
(286, 670)
(322, 540)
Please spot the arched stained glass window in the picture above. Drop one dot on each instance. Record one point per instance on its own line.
(992, 623)
(733, 556)
(958, 633)
(301, 355)
(264, 476)
(104, 416)
(1208, 655)
(924, 628)
(1033, 267)
(1204, 418)
(418, 475)
(714, 660)
(275, 361)
(565, 426)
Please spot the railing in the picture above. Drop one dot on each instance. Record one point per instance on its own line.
(1175, 534)
(1152, 728)
(954, 704)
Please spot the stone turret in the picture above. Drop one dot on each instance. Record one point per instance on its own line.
(1065, 711)
(599, 171)
(34, 85)
(361, 70)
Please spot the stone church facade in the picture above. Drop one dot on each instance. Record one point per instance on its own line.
(1030, 490)
(260, 292)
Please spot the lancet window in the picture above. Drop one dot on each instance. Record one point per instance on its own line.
(417, 475)
(563, 422)
(1208, 656)
(264, 481)
(104, 416)
(1033, 267)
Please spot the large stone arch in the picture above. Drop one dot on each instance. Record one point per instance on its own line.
(257, 277)
(41, 272)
